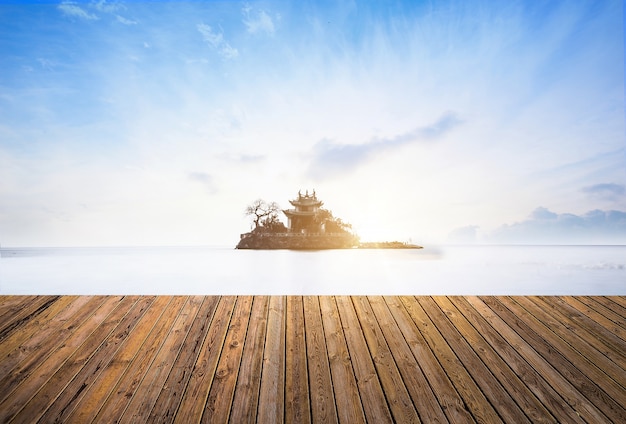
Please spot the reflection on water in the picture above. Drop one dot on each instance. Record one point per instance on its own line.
(201, 270)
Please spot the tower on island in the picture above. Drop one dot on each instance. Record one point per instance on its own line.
(304, 218)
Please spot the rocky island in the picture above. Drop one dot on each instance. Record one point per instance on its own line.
(310, 227)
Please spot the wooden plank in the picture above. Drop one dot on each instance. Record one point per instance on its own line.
(171, 394)
(447, 396)
(598, 313)
(491, 387)
(516, 389)
(346, 391)
(527, 364)
(90, 370)
(96, 395)
(118, 400)
(475, 400)
(591, 332)
(583, 357)
(15, 342)
(397, 395)
(416, 383)
(372, 395)
(322, 400)
(621, 301)
(18, 362)
(272, 392)
(220, 396)
(564, 376)
(615, 312)
(142, 402)
(46, 393)
(193, 402)
(103, 358)
(246, 398)
(297, 405)
(9, 304)
(54, 360)
(17, 318)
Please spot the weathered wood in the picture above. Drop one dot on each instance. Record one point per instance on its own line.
(599, 313)
(48, 392)
(16, 341)
(27, 388)
(322, 400)
(249, 359)
(272, 392)
(347, 400)
(515, 353)
(194, 400)
(22, 314)
(144, 398)
(89, 372)
(421, 394)
(95, 396)
(474, 398)
(447, 396)
(400, 404)
(297, 404)
(491, 387)
(116, 403)
(220, 397)
(166, 405)
(575, 326)
(10, 304)
(246, 398)
(496, 365)
(25, 357)
(370, 390)
(601, 391)
(565, 376)
(610, 308)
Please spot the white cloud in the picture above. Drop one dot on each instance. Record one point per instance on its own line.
(72, 9)
(260, 22)
(125, 21)
(216, 40)
(544, 226)
(108, 7)
(213, 38)
(330, 158)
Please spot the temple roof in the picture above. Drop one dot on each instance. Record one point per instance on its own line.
(306, 199)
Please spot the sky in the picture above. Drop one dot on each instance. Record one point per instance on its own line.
(158, 122)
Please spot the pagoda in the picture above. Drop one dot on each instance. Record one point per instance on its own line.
(303, 219)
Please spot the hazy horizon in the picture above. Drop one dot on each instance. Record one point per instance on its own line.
(141, 123)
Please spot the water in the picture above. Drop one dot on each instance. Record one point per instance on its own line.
(460, 270)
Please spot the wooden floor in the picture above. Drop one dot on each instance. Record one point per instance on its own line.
(316, 359)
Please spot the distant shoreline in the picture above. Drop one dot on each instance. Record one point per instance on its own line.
(388, 245)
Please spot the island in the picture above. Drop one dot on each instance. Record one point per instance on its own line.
(309, 227)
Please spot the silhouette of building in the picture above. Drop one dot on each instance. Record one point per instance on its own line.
(304, 218)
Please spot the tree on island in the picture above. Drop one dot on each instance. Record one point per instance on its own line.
(265, 217)
(332, 225)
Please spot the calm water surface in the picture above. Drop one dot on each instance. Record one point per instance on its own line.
(459, 270)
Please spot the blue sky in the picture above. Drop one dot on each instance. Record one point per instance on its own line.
(157, 122)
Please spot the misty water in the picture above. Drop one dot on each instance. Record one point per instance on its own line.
(461, 270)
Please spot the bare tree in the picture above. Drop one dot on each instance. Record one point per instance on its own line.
(262, 212)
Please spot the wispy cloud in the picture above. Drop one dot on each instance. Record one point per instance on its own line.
(216, 40)
(125, 21)
(108, 7)
(545, 226)
(205, 179)
(257, 22)
(330, 158)
(70, 8)
(606, 191)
